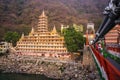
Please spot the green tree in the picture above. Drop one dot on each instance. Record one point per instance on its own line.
(74, 40)
(12, 37)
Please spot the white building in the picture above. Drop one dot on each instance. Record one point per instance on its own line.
(90, 26)
(4, 47)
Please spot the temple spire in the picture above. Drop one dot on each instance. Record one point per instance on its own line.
(43, 23)
(32, 31)
(22, 37)
(54, 31)
(43, 13)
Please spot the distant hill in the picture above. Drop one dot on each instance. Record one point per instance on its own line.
(21, 15)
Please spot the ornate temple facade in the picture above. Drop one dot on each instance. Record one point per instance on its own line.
(41, 42)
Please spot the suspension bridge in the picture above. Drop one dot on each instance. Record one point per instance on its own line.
(107, 55)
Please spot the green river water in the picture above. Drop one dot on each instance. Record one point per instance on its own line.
(14, 76)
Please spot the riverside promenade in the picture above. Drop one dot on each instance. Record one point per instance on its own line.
(52, 68)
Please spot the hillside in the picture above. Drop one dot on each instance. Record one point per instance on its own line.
(21, 15)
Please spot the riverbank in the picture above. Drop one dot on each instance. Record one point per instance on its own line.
(52, 68)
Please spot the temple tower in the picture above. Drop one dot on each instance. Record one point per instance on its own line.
(43, 23)
(42, 42)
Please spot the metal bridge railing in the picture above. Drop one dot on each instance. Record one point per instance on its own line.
(106, 66)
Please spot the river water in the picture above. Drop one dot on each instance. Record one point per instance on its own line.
(14, 76)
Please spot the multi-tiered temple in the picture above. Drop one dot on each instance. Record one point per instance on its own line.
(41, 42)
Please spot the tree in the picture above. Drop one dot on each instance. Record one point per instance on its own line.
(12, 37)
(74, 40)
